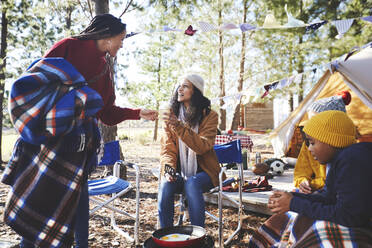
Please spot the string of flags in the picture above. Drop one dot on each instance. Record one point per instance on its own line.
(270, 22)
(282, 83)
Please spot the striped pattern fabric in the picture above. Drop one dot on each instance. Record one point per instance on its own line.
(52, 109)
(293, 230)
(342, 26)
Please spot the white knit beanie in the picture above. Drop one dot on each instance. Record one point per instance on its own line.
(197, 81)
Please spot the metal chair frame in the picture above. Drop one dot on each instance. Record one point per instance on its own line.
(109, 203)
(235, 144)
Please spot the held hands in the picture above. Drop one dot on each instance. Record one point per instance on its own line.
(279, 202)
(148, 114)
(170, 119)
(305, 188)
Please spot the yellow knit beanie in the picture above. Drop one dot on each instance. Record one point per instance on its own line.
(332, 127)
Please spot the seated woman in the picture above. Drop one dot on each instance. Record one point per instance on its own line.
(309, 175)
(339, 214)
(187, 148)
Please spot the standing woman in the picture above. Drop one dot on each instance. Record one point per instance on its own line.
(187, 148)
(87, 53)
(49, 200)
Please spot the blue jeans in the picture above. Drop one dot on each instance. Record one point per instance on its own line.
(193, 188)
(81, 222)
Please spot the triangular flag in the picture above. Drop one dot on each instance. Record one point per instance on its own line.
(190, 31)
(166, 29)
(245, 27)
(352, 51)
(367, 18)
(342, 26)
(270, 22)
(282, 83)
(293, 22)
(315, 26)
(206, 27)
(228, 26)
(131, 34)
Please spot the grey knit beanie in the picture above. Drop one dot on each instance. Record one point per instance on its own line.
(197, 81)
(329, 103)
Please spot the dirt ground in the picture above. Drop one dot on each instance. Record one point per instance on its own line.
(147, 157)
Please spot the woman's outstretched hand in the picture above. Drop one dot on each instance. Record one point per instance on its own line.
(148, 114)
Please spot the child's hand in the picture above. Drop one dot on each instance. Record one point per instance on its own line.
(279, 202)
(305, 188)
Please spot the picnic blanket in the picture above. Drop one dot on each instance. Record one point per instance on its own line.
(53, 110)
(293, 230)
(245, 141)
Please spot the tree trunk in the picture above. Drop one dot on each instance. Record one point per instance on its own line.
(4, 34)
(101, 6)
(236, 119)
(222, 125)
(108, 133)
(157, 101)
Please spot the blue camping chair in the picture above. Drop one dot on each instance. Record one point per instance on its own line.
(116, 187)
(227, 153)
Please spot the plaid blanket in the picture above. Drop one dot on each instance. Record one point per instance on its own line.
(53, 110)
(293, 230)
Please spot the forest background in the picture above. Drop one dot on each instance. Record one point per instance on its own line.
(151, 63)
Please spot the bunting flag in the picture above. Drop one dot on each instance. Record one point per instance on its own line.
(342, 26)
(269, 87)
(271, 22)
(247, 97)
(166, 29)
(246, 27)
(206, 27)
(131, 34)
(292, 22)
(315, 26)
(352, 51)
(190, 31)
(367, 18)
(228, 26)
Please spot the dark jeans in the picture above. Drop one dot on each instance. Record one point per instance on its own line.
(81, 224)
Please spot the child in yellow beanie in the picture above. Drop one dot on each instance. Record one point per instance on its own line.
(343, 206)
(309, 175)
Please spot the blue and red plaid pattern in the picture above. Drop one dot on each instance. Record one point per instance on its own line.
(49, 98)
(52, 108)
(293, 230)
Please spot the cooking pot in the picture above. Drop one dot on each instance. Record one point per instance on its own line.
(179, 236)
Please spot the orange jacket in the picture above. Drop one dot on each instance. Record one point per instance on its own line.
(201, 143)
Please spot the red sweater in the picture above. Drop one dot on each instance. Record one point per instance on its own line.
(90, 62)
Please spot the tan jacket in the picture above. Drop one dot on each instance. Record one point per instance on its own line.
(201, 143)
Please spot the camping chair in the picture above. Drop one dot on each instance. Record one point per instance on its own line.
(116, 187)
(227, 153)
